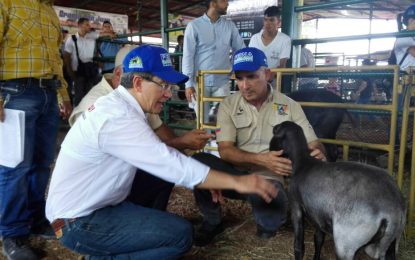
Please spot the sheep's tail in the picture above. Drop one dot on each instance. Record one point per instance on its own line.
(380, 233)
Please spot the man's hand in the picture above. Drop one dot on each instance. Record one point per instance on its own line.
(2, 114)
(194, 140)
(65, 109)
(256, 184)
(318, 154)
(273, 161)
(217, 196)
(190, 92)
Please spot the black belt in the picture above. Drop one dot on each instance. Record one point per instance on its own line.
(42, 82)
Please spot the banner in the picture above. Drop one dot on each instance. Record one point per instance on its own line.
(69, 17)
(177, 20)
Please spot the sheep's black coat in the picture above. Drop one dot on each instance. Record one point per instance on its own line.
(325, 121)
(360, 205)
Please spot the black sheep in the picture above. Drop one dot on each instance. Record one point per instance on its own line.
(360, 205)
(325, 121)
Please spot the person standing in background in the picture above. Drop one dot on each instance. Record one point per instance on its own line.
(108, 49)
(208, 41)
(307, 61)
(177, 60)
(276, 45)
(81, 52)
(30, 79)
(404, 47)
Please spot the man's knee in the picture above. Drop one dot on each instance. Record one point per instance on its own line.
(183, 234)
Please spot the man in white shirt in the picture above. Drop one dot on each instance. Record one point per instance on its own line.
(84, 48)
(405, 47)
(208, 41)
(276, 45)
(96, 167)
(158, 195)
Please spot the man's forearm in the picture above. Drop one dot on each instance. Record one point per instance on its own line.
(239, 157)
(218, 180)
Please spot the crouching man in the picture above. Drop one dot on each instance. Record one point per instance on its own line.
(245, 121)
(87, 204)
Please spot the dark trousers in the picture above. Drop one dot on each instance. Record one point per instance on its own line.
(82, 85)
(269, 216)
(150, 191)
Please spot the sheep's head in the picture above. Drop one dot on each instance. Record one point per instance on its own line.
(289, 137)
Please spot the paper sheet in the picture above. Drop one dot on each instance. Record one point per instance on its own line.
(12, 132)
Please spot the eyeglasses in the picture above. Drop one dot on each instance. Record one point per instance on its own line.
(163, 86)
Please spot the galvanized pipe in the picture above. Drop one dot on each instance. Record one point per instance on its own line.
(329, 5)
(355, 37)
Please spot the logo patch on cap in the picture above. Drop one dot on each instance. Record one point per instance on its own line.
(165, 60)
(243, 57)
(135, 62)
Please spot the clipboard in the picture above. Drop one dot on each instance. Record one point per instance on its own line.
(12, 137)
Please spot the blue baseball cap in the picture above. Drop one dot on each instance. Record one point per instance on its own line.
(409, 13)
(249, 59)
(153, 60)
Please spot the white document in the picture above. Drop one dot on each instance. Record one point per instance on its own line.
(12, 132)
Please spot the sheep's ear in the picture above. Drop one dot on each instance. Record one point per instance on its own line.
(274, 144)
(275, 129)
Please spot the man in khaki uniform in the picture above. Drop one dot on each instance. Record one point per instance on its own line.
(246, 120)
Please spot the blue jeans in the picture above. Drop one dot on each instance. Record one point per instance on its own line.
(270, 216)
(128, 231)
(22, 189)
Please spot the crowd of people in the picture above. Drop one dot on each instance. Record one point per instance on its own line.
(117, 166)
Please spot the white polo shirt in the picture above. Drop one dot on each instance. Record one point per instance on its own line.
(99, 156)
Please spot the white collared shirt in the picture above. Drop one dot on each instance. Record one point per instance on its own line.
(99, 156)
(86, 48)
(101, 89)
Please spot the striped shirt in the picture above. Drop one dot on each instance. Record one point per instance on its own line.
(30, 41)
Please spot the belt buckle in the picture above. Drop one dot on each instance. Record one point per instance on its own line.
(41, 84)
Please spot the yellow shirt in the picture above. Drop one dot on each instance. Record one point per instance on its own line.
(30, 41)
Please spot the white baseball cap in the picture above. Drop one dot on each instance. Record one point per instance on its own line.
(119, 58)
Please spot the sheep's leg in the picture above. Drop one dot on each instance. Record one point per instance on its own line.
(391, 252)
(298, 224)
(347, 241)
(318, 243)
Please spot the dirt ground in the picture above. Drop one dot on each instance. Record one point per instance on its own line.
(237, 242)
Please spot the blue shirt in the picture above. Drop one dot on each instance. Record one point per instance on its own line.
(109, 50)
(207, 46)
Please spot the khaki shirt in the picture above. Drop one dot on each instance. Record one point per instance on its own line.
(250, 129)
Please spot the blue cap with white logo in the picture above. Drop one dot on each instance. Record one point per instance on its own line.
(409, 13)
(153, 60)
(249, 59)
